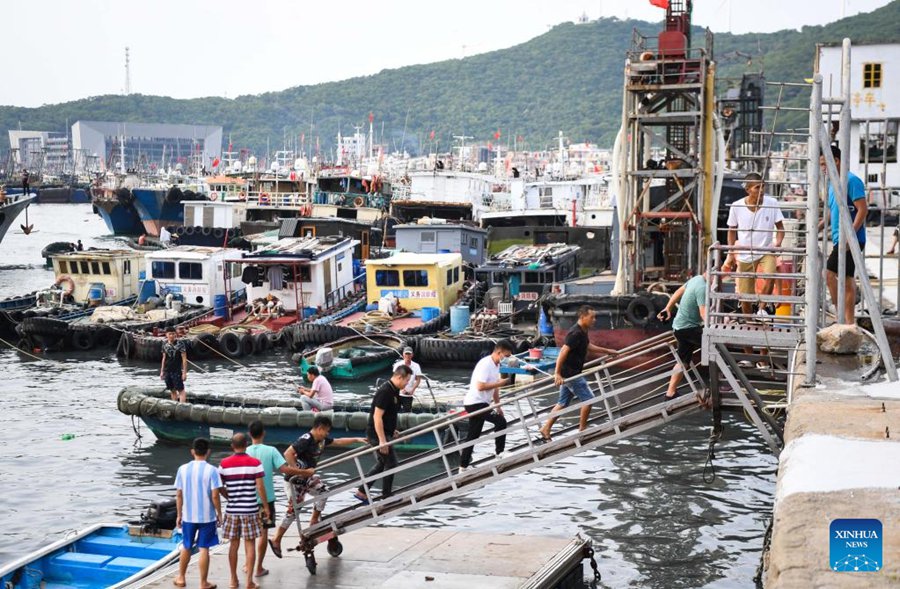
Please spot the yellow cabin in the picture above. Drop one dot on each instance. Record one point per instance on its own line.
(99, 276)
(417, 280)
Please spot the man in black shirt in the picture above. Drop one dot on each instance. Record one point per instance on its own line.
(570, 363)
(173, 368)
(383, 426)
(304, 455)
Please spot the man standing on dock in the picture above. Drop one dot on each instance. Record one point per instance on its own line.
(382, 427)
(570, 363)
(25, 187)
(859, 209)
(173, 368)
(484, 388)
(688, 325)
(197, 487)
(243, 478)
(409, 391)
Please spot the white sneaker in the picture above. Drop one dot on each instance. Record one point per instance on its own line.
(463, 469)
(500, 456)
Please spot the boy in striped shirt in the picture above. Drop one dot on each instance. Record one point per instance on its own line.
(197, 501)
(243, 478)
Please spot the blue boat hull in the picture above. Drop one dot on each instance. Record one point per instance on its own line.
(156, 211)
(104, 555)
(120, 218)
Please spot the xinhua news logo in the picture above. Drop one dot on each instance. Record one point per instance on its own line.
(856, 545)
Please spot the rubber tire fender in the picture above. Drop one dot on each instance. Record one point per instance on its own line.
(230, 344)
(82, 339)
(640, 311)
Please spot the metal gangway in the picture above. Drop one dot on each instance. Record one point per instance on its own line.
(629, 399)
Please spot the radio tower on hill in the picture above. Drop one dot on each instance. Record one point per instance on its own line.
(127, 73)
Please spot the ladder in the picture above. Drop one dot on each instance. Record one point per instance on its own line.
(629, 399)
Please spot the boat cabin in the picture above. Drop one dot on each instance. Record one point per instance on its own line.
(99, 276)
(416, 280)
(196, 273)
(303, 273)
(521, 273)
(436, 236)
(214, 215)
(367, 235)
(226, 188)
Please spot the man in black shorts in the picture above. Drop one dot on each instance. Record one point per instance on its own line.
(173, 368)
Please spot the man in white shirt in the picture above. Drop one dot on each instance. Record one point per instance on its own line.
(407, 392)
(754, 221)
(484, 388)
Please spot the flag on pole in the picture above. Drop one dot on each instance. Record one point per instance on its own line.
(431, 135)
(215, 163)
(664, 4)
(497, 134)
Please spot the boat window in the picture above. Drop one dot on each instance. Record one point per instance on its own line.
(95, 267)
(126, 267)
(163, 269)
(302, 273)
(63, 267)
(483, 276)
(548, 277)
(387, 278)
(449, 275)
(473, 242)
(456, 274)
(415, 278)
(85, 269)
(190, 270)
(427, 236)
(106, 269)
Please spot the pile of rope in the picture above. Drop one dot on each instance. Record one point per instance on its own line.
(374, 321)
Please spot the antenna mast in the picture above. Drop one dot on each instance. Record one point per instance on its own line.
(127, 73)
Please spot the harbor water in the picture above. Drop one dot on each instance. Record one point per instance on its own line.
(71, 459)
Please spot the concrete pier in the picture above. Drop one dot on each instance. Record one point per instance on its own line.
(841, 460)
(404, 558)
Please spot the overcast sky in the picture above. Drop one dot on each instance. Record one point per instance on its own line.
(60, 50)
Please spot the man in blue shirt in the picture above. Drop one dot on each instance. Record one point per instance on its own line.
(197, 501)
(688, 324)
(858, 207)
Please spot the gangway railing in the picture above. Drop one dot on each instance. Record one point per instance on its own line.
(629, 399)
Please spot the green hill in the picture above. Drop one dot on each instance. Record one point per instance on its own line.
(568, 79)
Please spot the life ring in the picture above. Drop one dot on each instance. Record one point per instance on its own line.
(242, 195)
(639, 311)
(213, 196)
(70, 284)
(359, 201)
(264, 198)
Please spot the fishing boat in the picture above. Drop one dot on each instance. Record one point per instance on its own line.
(218, 417)
(10, 208)
(355, 357)
(102, 555)
(113, 200)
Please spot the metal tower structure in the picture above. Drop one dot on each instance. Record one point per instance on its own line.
(665, 153)
(127, 73)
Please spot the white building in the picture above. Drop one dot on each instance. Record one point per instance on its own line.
(39, 150)
(874, 111)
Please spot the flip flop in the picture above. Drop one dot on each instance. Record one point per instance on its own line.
(668, 398)
(362, 499)
(276, 550)
(210, 586)
(262, 574)
(542, 440)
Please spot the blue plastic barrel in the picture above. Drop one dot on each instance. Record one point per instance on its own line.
(309, 312)
(429, 313)
(95, 292)
(459, 318)
(220, 305)
(544, 325)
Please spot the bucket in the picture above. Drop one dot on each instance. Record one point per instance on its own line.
(309, 312)
(544, 325)
(429, 313)
(220, 305)
(535, 353)
(148, 289)
(95, 293)
(459, 318)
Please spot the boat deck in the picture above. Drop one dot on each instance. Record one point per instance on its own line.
(241, 318)
(396, 324)
(401, 558)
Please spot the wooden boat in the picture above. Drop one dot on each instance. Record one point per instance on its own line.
(218, 417)
(355, 356)
(103, 555)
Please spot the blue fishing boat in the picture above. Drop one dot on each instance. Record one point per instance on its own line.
(103, 555)
(218, 417)
(117, 211)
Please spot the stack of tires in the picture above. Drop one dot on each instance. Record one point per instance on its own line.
(42, 332)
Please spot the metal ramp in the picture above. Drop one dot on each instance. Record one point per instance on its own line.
(630, 399)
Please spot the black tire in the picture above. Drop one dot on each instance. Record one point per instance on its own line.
(247, 344)
(190, 230)
(218, 233)
(335, 548)
(43, 326)
(640, 311)
(126, 345)
(206, 231)
(204, 345)
(106, 337)
(276, 339)
(174, 195)
(82, 339)
(25, 344)
(189, 194)
(260, 343)
(230, 344)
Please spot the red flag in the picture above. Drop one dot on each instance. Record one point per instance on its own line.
(490, 146)
(215, 163)
(431, 135)
(371, 117)
(664, 4)
(497, 134)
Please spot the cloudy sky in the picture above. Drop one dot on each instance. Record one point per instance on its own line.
(60, 50)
